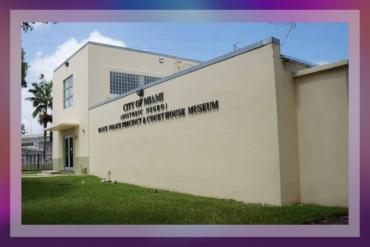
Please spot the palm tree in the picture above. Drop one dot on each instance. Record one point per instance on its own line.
(25, 67)
(42, 100)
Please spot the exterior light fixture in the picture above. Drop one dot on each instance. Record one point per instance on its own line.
(161, 60)
(140, 93)
(66, 64)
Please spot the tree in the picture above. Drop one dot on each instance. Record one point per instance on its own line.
(42, 100)
(26, 26)
(25, 67)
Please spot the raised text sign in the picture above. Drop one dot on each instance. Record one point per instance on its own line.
(152, 109)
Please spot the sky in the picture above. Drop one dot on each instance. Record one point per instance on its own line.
(48, 45)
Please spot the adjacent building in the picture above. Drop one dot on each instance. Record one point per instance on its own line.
(33, 152)
(34, 145)
(252, 125)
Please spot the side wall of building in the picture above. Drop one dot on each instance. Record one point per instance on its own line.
(229, 153)
(322, 113)
(77, 113)
(103, 59)
(287, 125)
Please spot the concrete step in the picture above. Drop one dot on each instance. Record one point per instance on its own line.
(53, 172)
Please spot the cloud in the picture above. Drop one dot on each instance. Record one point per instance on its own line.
(45, 64)
(95, 36)
(322, 62)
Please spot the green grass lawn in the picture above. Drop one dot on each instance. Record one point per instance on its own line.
(85, 200)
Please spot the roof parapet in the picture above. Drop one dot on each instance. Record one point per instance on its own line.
(320, 68)
(124, 48)
(297, 60)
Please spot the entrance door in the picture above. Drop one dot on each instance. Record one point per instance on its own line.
(68, 152)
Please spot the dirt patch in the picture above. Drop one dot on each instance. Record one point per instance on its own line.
(337, 219)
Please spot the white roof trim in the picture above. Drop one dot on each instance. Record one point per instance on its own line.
(62, 126)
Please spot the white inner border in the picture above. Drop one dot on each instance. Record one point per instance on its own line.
(350, 16)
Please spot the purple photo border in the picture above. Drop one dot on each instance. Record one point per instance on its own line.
(352, 230)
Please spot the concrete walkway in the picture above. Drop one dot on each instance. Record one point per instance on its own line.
(48, 173)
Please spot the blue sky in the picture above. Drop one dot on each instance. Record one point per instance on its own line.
(48, 45)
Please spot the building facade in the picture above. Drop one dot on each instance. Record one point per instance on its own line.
(34, 145)
(252, 125)
(95, 73)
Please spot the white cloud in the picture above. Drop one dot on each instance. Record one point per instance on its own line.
(95, 36)
(322, 62)
(46, 63)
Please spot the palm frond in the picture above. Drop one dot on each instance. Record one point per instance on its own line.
(41, 100)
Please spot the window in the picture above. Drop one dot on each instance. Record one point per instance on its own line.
(121, 83)
(68, 92)
(149, 79)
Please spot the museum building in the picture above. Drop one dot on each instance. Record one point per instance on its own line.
(252, 125)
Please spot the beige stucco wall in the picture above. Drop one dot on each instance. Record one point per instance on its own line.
(77, 113)
(322, 113)
(103, 59)
(230, 153)
(90, 69)
(276, 138)
(287, 128)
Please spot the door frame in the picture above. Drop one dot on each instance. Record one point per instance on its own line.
(69, 138)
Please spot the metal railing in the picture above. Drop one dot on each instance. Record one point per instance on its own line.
(33, 162)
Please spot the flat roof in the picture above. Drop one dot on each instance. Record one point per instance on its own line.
(196, 67)
(123, 48)
(320, 68)
(297, 60)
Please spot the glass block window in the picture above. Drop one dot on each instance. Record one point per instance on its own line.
(149, 79)
(121, 83)
(68, 92)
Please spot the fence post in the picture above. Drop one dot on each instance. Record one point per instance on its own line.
(38, 162)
